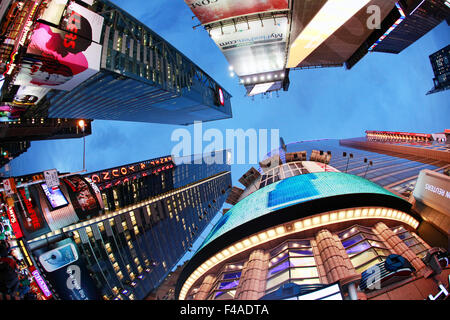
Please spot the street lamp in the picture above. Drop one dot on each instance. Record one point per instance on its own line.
(350, 156)
(370, 163)
(82, 126)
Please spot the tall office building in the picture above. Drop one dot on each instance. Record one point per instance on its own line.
(418, 17)
(116, 233)
(92, 60)
(440, 62)
(363, 218)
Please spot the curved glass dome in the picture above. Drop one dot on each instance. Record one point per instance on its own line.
(289, 192)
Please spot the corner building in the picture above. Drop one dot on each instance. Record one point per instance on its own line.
(331, 227)
(117, 233)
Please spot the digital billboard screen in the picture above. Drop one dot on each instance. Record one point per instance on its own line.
(253, 47)
(83, 197)
(208, 11)
(57, 59)
(55, 197)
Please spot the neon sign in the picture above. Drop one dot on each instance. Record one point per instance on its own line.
(116, 173)
(41, 283)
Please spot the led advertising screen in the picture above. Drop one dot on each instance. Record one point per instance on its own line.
(29, 213)
(254, 47)
(29, 95)
(55, 197)
(208, 11)
(64, 270)
(289, 192)
(82, 196)
(57, 59)
(10, 113)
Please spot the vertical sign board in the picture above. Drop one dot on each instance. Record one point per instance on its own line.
(64, 270)
(433, 189)
(9, 186)
(51, 178)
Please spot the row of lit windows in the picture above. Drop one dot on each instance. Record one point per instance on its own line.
(293, 261)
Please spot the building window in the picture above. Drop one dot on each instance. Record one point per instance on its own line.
(363, 247)
(411, 240)
(292, 262)
(225, 286)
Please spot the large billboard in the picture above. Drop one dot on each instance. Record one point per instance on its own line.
(64, 270)
(253, 47)
(433, 189)
(83, 197)
(57, 59)
(208, 11)
(29, 213)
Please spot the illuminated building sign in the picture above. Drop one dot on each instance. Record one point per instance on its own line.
(208, 11)
(14, 223)
(41, 283)
(395, 25)
(433, 189)
(143, 168)
(253, 47)
(32, 221)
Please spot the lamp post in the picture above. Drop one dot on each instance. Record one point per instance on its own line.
(82, 126)
(350, 156)
(370, 163)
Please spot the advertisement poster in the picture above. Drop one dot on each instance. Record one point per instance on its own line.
(30, 214)
(66, 272)
(54, 11)
(29, 95)
(82, 22)
(58, 60)
(55, 197)
(254, 47)
(82, 196)
(208, 11)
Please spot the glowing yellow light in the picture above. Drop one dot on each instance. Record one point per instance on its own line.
(271, 233)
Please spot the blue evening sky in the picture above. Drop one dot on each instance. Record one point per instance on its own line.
(382, 92)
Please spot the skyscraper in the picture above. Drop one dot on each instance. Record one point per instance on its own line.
(105, 65)
(440, 62)
(418, 18)
(350, 222)
(116, 233)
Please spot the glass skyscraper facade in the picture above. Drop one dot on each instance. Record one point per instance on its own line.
(149, 215)
(420, 17)
(116, 68)
(142, 78)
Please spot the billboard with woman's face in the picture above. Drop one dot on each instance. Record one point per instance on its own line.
(58, 59)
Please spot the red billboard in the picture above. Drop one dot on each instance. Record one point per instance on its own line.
(14, 223)
(208, 11)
